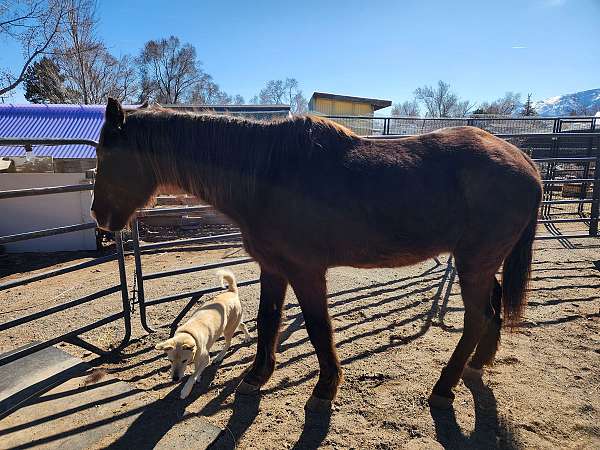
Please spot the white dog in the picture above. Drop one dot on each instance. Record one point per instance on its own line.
(221, 316)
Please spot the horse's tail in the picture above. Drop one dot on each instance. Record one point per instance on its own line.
(516, 272)
(226, 275)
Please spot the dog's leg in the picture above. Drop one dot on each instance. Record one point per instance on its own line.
(221, 354)
(202, 361)
(247, 335)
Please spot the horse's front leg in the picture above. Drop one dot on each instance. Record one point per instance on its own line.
(272, 294)
(311, 291)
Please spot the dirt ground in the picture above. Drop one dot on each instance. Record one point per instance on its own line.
(395, 330)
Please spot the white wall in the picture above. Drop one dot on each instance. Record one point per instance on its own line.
(20, 215)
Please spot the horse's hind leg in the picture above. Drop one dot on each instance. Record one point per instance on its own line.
(311, 291)
(476, 282)
(488, 344)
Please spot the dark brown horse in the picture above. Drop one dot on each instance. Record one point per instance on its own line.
(308, 194)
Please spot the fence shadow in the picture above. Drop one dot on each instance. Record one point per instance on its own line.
(22, 263)
(157, 418)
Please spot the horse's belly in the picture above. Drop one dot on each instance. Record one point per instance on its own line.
(389, 258)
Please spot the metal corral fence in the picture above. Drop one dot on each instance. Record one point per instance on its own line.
(372, 125)
(570, 165)
(194, 296)
(73, 336)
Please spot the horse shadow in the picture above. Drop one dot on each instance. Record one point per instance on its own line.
(491, 430)
(244, 411)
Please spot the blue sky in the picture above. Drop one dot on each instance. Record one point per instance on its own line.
(372, 49)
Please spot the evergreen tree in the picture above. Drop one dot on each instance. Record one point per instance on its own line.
(528, 108)
(44, 83)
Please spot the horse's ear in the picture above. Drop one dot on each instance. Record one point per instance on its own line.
(114, 115)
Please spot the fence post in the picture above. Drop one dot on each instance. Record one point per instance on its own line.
(139, 276)
(124, 291)
(595, 196)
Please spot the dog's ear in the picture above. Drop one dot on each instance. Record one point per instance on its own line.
(188, 346)
(166, 345)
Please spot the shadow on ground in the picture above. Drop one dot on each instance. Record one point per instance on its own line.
(155, 419)
(490, 431)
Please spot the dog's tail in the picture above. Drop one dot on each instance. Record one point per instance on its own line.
(226, 275)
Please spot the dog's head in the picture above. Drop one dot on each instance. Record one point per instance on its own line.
(180, 350)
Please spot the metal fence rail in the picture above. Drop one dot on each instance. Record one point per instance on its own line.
(373, 125)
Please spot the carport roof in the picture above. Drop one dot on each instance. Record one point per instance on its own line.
(51, 121)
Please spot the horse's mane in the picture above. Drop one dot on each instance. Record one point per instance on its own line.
(218, 150)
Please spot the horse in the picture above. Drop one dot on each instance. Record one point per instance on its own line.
(309, 194)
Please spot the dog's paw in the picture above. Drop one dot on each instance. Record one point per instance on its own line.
(186, 391)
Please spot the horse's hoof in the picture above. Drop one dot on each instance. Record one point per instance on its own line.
(472, 374)
(318, 405)
(440, 402)
(245, 388)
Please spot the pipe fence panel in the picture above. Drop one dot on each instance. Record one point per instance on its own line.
(381, 126)
(72, 336)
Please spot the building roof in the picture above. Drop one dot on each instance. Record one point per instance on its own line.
(377, 103)
(51, 121)
(85, 122)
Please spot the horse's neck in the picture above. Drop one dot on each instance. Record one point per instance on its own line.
(221, 169)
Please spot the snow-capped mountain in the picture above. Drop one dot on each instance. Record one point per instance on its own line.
(580, 103)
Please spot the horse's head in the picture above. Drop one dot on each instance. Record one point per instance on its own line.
(124, 182)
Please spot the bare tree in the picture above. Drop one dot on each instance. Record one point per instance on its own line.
(207, 92)
(282, 92)
(409, 108)
(273, 93)
(91, 73)
(169, 70)
(463, 108)
(504, 106)
(440, 101)
(35, 25)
